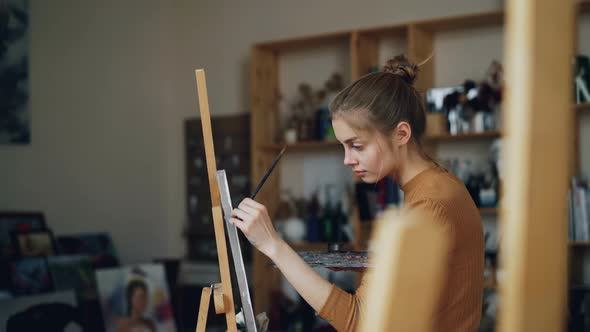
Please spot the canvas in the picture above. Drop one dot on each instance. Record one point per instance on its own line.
(135, 298)
(74, 272)
(33, 243)
(17, 221)
(30, 275)
(98, 246)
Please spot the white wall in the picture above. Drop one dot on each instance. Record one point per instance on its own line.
(104, 142)
(111, 83)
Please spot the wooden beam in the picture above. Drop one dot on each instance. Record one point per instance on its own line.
(364, 54)
(461, 22)
(264, 84)
(420, 48)
(207, 137)
(203, 309)
(218, 222)
(299, 43)
(538, 77)
(218, 299)
(398, 29)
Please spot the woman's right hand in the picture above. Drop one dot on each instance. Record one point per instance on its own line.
(253, 220)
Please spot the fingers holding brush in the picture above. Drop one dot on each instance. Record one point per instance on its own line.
(253, 220)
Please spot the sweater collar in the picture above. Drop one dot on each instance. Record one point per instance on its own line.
(417, 179)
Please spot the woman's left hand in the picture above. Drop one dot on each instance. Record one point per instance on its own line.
(252, 219)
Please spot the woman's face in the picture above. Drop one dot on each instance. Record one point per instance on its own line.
(139, 300)
(370, 155)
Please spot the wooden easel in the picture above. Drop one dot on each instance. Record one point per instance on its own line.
(222, 292)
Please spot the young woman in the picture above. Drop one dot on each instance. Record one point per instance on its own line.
(380, 120)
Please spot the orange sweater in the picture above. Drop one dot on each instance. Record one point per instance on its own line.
(444, 197)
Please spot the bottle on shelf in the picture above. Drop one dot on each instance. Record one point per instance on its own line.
(322, 116)
(339, 220)
(312, 219)
(327, 217)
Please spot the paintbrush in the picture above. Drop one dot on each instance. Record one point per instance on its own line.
(274, 163)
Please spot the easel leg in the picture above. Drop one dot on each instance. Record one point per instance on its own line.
(203, 309)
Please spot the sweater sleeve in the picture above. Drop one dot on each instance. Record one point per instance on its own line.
(342, 309)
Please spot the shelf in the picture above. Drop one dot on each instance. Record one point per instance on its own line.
(305, 42)
(466, 136)
(305, 145)
(583, 7)
(468, 21)
(417, 38)
(582, 107)
(580, 288)
(488, 211)
(333, 144)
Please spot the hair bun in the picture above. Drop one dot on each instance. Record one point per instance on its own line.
(401, 67)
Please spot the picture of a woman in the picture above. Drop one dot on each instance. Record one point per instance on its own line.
(137, 302)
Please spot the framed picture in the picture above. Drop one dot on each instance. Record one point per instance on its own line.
(17, 221)
(5, 281)
(98, 246)
(46, 312)
(74, 272)
(14, 72)
(30, 275)
(135, 298)
(33, 243)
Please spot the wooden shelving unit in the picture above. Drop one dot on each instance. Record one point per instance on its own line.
(363, 48)
(584, 288)
(303, 146)
(466, 136)
(488, 211)
(582, 108)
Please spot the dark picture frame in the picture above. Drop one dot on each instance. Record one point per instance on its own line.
(98, 246)
(30, 275)
(34, 243)
(15, 116)
(11, 221)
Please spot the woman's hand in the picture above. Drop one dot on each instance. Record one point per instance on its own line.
(252, 219)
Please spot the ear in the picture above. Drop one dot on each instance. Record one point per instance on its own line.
(402, 133)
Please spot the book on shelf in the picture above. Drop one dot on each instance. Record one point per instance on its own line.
(579, 206)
